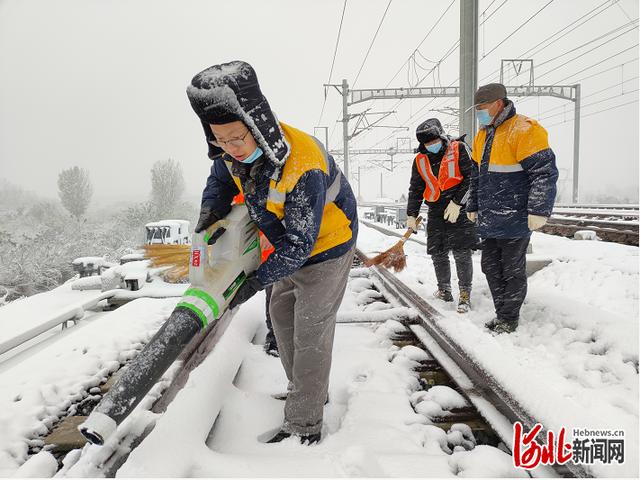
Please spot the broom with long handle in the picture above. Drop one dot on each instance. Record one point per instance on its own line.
(394, 257)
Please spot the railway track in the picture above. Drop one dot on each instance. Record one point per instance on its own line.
(490, 416)
(619, 232)
(496, 405)
(611, 223)
(64, 437)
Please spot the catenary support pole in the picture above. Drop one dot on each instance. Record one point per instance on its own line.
(468, 65)
(345, 126)
(576, 144)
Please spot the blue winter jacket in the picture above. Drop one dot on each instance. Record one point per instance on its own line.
(514, 175)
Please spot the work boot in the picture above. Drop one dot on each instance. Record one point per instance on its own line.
(304, 439)
(271, 348)
(498, 326)
(444, 295)
(464, 302)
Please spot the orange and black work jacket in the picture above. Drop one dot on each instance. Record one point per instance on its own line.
(448, 174)
(437, 179)
(515, 175)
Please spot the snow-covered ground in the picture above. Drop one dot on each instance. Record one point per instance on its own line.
(573, 362)
(211, 429)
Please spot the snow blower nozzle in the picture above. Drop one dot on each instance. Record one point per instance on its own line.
(215, 273)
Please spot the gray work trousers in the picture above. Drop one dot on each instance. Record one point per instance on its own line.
(464, 269)
(303, 311)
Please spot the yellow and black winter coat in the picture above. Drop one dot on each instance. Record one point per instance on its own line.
(514, 175)
(306, 209)
(294, 191)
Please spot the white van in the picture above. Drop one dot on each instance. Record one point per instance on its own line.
(168, 232)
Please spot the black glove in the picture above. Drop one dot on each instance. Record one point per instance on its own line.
(207, 218)
(248, 289)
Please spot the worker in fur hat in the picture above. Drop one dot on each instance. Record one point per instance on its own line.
(304, 205)
(440, 177)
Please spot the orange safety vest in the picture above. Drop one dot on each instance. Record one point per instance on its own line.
(448, 176)
(265, 246)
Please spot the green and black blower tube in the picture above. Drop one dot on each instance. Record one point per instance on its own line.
(142, 374)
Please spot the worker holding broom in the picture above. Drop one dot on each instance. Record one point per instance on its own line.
(305, 207)
(440, 176)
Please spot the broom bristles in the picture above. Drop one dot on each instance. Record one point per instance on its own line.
(391, 258)
(175, 257)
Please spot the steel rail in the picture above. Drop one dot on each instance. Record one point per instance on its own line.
(476, 381)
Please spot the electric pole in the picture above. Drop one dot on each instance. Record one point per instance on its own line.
(576, 143)
(345, 126)
(468, 66)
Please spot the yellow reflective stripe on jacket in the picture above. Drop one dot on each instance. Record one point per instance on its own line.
(517, 138)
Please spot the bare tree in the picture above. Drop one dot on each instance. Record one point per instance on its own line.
(167, 186)
(75, 190)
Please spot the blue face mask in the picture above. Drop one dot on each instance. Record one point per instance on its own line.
(483, 117)
(254, 156)
(435, 148)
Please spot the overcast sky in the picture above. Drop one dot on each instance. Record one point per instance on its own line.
(101, 84)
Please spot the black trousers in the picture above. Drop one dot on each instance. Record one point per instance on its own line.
(505, 266)
(271, 338)
(464, 269)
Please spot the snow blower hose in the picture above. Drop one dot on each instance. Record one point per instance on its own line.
(215, 272)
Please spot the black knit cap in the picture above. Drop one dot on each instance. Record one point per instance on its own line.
(230, 92)
(429, 130)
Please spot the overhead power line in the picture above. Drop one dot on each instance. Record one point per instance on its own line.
(372, 42)
(595, 64)
(451, 49)
(592, 41)
(589, 104)
(488, 7)
(530, 52)
(615, 85)
(492, 13)
(517, 29)
(594, 113)
(421, 42)
(335, 52)
(607, 70)
(582, 79)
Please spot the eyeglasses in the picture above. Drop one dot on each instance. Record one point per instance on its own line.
(234, 142)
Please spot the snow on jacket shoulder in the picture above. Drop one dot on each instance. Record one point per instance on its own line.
(515, 175)
(306, 209)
